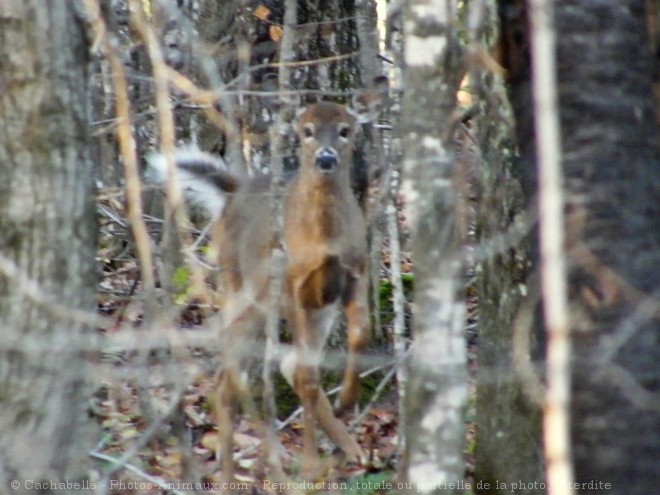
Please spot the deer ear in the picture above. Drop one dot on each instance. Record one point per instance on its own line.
(365, 109)
(368, 105)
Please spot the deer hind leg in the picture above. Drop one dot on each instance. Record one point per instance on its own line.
(239, 340)
(357, 315)
(225, 410)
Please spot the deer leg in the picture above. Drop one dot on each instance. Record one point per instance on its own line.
(300, 367)
(323, 413)
(306, 384)
(335, 429)
(357, 315)
(225, 408)
(239, 341)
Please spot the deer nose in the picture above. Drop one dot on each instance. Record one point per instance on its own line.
(326, 160)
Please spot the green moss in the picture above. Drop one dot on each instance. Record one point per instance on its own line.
(181, 278)
(386, 295)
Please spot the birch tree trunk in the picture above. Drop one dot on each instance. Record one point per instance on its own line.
(47, 246)
(436, 394)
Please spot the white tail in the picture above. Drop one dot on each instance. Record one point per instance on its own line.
(195, 172)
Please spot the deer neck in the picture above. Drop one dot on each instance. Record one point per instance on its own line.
(318, 206)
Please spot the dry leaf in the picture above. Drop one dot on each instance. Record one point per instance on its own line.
(262, 12)
(276, 33)
(246, 463)
(244, 440)
(210, 440)
(170, 463)
(129, 432)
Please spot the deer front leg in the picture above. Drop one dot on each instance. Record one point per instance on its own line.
(336, 431)
(357, 316)
(306, 385)
(301, 369)
(317, 410)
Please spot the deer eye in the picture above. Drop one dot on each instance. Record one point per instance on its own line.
(308, 130)
(344, 130)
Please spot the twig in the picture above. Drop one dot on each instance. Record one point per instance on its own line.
(145, 436)
(316, 61)
(375, 396)
(556, 417)
(227, 118)
(278, 257)
(127, 143)
(165, 116)
(530, 381)
(129, 467)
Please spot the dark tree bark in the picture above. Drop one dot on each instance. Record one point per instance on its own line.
(508, 446)
(612, 172)
(48, 234)
(612, 176)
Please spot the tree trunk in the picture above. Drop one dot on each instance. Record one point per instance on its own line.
(47, 243)
(508, 445)
(436, 395)
(612, 170)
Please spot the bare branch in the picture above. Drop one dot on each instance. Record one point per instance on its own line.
(556, 417)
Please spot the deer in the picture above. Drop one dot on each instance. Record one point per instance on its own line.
(325, 245)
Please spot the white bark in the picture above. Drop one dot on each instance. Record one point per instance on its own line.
(436, 395)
